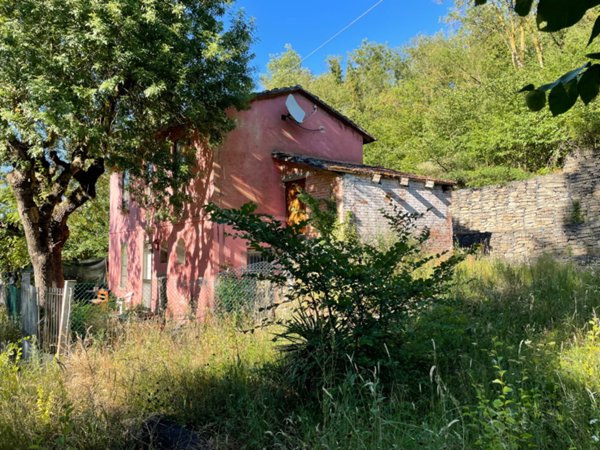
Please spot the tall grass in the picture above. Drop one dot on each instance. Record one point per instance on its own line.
(511, 361)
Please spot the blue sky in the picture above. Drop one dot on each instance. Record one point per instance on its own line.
(309, 23)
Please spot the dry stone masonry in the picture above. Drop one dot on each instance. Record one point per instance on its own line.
(557, 214)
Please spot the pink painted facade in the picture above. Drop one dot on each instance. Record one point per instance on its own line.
(255, 160)
(240, 171)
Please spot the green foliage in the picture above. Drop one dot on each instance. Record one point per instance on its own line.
(235, 295)
(89, 320)
(484, 176)
(446, 105)
(285, 69)
(88, 227)
(87, 86)
(507, 418)
(13, 248)
(576, 216)
(9, 329)
(580, 363)
(584, 82)
(351, 299)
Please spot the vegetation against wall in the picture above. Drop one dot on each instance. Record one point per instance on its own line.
(351, 300)
(91, 85)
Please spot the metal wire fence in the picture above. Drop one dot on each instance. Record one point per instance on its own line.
(246, 293)
(241, 293)
(48, 326)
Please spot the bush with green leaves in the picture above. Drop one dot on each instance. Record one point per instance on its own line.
(235, 295)
(351, 299)
(9, 329)
(89, 320)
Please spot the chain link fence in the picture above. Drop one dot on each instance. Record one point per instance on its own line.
(241, 293)
(245, 292)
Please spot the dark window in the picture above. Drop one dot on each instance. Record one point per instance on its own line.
(254, 257)
(163, 256)
(124, 264)
(479, 240)
(125, 186)
(180, 251)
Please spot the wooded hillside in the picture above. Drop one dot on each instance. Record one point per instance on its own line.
(447, 105)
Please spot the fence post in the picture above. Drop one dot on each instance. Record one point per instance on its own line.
(65, 318)
(29, 310)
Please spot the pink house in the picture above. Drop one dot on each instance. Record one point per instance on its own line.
(264, 160)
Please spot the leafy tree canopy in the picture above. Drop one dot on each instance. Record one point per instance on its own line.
(582, 82)
(446, 105)
(87, 85)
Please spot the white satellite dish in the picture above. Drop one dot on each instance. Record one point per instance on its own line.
(295, 110)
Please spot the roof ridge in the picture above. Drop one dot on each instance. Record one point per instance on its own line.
(367, 137)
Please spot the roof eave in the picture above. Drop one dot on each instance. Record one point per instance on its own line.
(361, 169)
(367, 137)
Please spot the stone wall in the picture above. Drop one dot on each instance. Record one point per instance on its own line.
(364, 199)
(557, 213)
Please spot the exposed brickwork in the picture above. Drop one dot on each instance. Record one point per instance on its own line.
(321, 185)
(364, 199)
(558, 213)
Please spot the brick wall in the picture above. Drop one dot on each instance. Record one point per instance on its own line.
(321, 185)
(558, 213)
(364, 199)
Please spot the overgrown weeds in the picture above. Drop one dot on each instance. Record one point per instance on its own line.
(350, 298)
(510, 360)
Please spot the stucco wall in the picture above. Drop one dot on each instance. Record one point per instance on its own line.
(364, 199)
(240, 171)
(526, 219)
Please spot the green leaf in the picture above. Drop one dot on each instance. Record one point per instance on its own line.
(595, 30)
(536, 100)
(563, 97)
(523, 7)
(529, 87)
(554, 15)
(589, 84)
(566, 78)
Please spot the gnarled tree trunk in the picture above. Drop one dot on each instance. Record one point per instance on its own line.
(44, 217)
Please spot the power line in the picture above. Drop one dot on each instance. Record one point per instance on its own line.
(342, 31)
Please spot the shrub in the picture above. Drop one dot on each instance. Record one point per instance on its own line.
(9, 329)
(352, 299)
(88, 319)
(235, 295)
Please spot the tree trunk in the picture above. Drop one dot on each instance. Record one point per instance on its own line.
(45, 237)
(45, 224)
(47, 270)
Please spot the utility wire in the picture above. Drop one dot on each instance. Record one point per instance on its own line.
(342, 31)
(336, 35)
